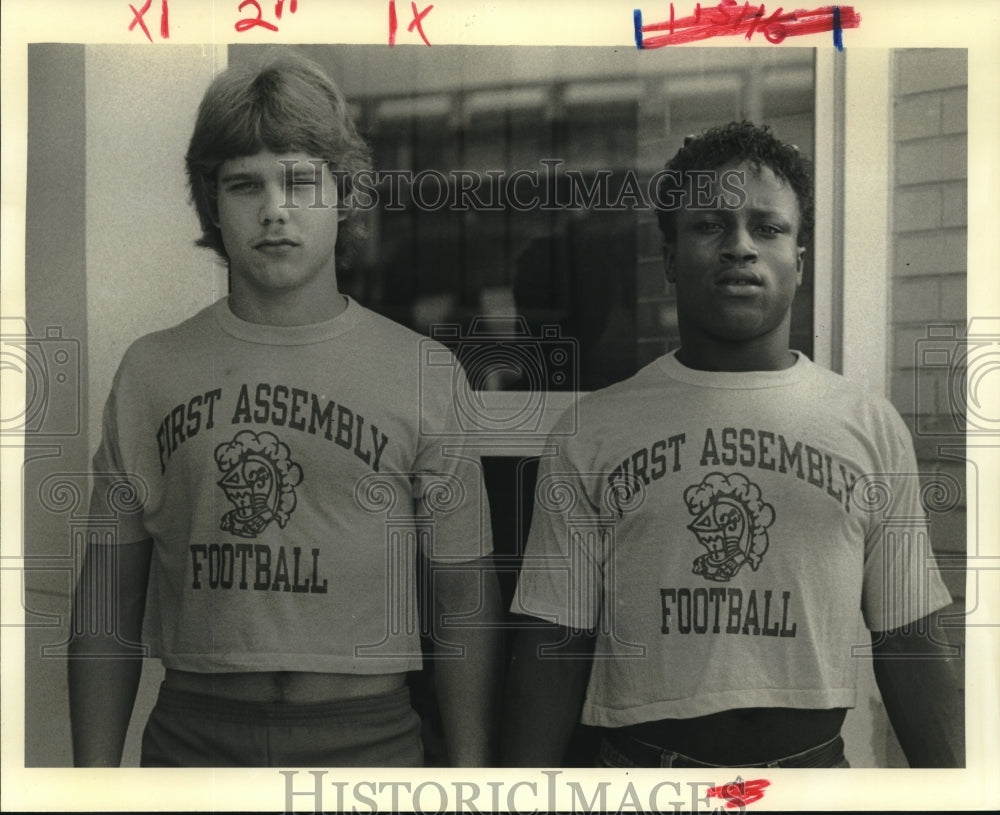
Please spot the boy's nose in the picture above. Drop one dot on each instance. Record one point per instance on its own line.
(739, 246)
(272, 207)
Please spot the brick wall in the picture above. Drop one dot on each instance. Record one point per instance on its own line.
(928, 284)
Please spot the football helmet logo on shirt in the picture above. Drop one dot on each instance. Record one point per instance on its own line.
(731, 522)
(259, 479)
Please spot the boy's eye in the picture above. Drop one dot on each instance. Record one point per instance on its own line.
(708, 226)
(242, 186)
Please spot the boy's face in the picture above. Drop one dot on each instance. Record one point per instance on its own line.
(736, 270)
(279, 225)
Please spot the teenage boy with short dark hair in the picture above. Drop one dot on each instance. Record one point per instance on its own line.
(705, 542)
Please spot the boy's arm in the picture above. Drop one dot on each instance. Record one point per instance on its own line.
(544, 694)
(923, 695)
(105, 656)
(468, 687)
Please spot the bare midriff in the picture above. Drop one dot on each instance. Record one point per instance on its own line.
(746, 735)
(284, 686)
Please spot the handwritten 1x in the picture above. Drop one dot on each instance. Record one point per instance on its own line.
(729, 18)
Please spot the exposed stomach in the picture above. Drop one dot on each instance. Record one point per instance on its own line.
(284, 686)
(746, 735)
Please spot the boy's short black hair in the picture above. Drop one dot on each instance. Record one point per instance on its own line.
(288, 104)
(735, 143)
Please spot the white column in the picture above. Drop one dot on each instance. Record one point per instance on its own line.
(866, 251)
(144, 272)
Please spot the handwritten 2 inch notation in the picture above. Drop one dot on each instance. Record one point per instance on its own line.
(254, 22)
(730, 18)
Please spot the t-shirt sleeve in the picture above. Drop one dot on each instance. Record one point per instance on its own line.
(902, 581)
(562, 573)
(116, 493)
(448, 485)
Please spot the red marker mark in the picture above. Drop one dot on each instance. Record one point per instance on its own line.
(279, 7)
(137, 18)
(730, 18)
(417, 22)
(253, 22)
(139, 14)
(737, 794)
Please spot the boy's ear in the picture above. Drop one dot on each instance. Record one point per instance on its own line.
(669, 256)
(799, 265)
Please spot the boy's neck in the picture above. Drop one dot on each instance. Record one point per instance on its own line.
(719, 357)
(290, 310)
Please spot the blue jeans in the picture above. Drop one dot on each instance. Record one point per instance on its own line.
(623, 751)
(193, 730)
